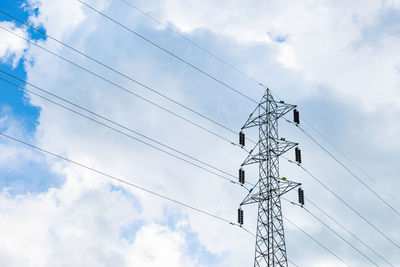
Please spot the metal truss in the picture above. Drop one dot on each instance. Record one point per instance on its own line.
(270, 249)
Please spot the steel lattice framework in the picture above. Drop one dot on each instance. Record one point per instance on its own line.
(270, 249)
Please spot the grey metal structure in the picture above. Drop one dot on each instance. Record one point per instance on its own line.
(270, 249)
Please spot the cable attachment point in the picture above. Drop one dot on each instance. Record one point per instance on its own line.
(242, 139)
(241, 176)
(296, 116)
(298, 155)
(240, 216)
(301, 196)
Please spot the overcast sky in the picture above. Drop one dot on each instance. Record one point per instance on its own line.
(339, 61)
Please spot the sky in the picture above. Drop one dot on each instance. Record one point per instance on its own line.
(338, 61)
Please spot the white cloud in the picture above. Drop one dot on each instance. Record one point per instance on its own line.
(83, 218)
(320, 40)
(157, 245)
(12, 47)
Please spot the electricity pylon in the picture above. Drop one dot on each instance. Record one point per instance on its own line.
(270, 249)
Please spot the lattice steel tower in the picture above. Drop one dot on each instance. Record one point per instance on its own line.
(270, 249)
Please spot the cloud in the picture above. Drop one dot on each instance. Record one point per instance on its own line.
(11, 47)
(87, 219)
(320, 41)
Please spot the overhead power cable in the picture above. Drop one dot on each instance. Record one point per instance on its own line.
(243, 73)
(333, 231)
(212, 77)
(351, 161)
(346, 168)
(110, 121)
(79, 1)
(316, 241)
(123, 133)
(122, 74)
(195, 112)
(121, 87)
(348, 231)
(123, 181)
(202, 48)
(338, 235)
(345, 203)
(167, 51)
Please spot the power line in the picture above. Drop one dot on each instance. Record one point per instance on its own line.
(122, 88)
(345, 203)
(198, 69)
(126, 182)
(80, 1)
(168, 52)
(219, 81)
(180, 203)
(110, 121)
(130, 136)
(131, 184)
(348, 231)
(179, 104)
(236, 69)
(191, 42)
(122, 74)
(351, 161)
(333, 231)
(316, 241)
(123, 181)
(345, 167)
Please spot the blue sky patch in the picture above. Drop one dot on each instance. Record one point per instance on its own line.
(194, 247)
(34, 178)
(129, 232)
(11, 96)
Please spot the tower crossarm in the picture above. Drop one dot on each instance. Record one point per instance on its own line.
(283, 108)
(283, 187)
(286, 186)
(282, 146)
(257, 117)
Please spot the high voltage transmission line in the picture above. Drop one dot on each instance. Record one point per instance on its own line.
(352, 162)
(346, 168)
(74, 105)
(102, 173)
(348, 231)
(121, 180)
(111, 121)
(188, 63)
(155, 91)
(119, 86)
(120, 73)
(167, 51)
(170, 199)
(316, 241)
(345, 203)
(125, 128)
(215, 79)
(212, 54)
(69, 103)
(333, 231)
